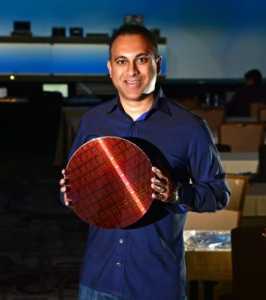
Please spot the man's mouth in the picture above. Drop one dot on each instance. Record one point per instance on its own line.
(132, 82)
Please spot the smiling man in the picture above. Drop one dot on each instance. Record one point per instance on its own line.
(146, 262)
(133, 67)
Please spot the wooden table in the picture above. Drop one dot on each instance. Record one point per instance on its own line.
(255, 201)
(206, 267)
(208, 264)
(240, 162)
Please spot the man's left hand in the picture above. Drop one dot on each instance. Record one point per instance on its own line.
(161, 186)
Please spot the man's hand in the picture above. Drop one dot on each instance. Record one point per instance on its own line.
(64, 187)
(161, 186)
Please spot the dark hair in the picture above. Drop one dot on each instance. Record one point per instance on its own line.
(255, 75)
(128, 29)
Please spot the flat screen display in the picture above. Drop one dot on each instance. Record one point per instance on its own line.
(56, 87)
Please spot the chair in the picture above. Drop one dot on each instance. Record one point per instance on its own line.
(249, 262)
(227, 218)
(255, 108)
(262, 114)
(213, 115)
(242, 137)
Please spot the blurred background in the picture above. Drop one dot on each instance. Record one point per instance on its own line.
(53, 68)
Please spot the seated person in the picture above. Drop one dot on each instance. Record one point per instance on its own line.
(253, 91)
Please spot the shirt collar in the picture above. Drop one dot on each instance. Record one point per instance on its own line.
(159, 103)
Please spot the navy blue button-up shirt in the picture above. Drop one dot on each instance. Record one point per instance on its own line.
(147, 262)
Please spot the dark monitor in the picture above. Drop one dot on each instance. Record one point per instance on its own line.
(58, 31)
(21, 28)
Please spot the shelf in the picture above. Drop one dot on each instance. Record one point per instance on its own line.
(61, 40)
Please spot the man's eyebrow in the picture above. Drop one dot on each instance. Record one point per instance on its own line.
(120, 57)
(138, 55)
(143, 54)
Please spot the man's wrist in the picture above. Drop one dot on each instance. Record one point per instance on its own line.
(175, 195)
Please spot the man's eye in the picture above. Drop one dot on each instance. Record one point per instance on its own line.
(121, 61)
(142, 59)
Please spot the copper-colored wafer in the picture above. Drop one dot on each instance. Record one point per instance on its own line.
(109, 182)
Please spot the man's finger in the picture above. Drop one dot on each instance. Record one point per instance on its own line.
(66, 200)
(157, 182)
(62, 181)
(159, 188)
(159, 174)
(63, 189)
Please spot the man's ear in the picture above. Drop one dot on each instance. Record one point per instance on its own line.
(158, 63)
(109, 68)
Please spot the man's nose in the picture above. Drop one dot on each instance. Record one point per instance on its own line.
(132, 68)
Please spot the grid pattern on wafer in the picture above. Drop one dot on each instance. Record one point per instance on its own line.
(109, 182)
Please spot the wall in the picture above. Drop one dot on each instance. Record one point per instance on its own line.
(206, 39)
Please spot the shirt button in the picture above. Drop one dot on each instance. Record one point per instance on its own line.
(118, 264)
(121, 241)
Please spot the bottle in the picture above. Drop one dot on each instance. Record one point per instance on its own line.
(208, 100)
(216, 100)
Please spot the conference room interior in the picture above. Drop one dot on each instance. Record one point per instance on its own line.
(42, 242)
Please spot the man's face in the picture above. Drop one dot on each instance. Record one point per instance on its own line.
(133, 67)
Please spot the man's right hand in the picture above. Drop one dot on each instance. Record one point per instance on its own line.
(64, 187)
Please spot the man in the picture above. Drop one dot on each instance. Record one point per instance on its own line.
(147, 262)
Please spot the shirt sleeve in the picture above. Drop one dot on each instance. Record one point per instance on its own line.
(207, 190)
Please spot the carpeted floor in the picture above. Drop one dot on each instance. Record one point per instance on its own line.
(41, 241)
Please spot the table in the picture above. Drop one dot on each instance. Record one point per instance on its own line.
(205, 263)
(240, 162)
(255, 201)
(209, 265)
(239, 119)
